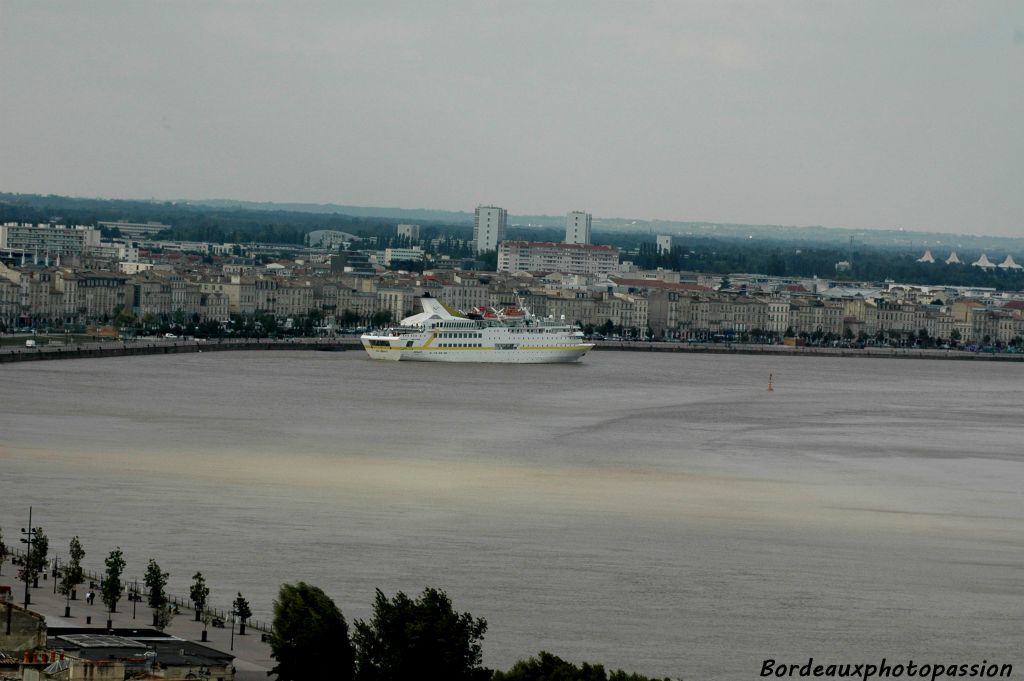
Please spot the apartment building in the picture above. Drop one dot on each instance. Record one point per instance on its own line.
(89, 295)
(464, 295)
(10, 303)
(489, 227)
(54, 240)
(532, 256)
(577, 227)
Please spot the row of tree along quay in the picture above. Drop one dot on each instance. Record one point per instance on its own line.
(406, 638)
(32, 562)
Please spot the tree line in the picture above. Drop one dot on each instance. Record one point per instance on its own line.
(405, 638)
(112, 587)
(777, 259)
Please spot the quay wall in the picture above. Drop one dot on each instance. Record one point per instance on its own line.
(161, 347)
(790, 351)
(129, 348)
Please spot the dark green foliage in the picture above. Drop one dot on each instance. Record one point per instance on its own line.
(422, 638)
(73, 575)
(193, 222)
(310, 639)
(548, 667)
(36, 559)
(162, 616)
(155, 581)
(110, 586)
(199, 592)
(381, 318)
(241, 608)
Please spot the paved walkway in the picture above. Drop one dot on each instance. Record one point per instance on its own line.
(253, 656)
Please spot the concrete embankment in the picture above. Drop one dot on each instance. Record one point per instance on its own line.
(789, 351)
(169, 347)
(128, 348)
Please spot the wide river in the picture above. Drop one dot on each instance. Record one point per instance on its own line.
(662, 513)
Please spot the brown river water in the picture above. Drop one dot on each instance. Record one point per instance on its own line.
(661, 513)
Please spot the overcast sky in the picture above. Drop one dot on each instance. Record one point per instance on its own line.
(846, 114)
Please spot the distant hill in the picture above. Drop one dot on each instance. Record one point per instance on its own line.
(410, 214)
(232, 215)
(886, 238)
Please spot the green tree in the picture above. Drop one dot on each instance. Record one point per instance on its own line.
(381, 318)
(110, 585)
(242, 611)
(35, 559)
(349, 318)
(308, 625)
(162, 616)
(3, 550)
(155, 581)
(408, 638)
(123, 317)
(73, 575)
(199, 593)
(548, 667)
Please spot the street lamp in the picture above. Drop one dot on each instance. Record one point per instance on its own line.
(56, 572)
(232, 628)
(67, 595)
(29, 539)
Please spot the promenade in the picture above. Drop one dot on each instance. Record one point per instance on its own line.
(252, 655)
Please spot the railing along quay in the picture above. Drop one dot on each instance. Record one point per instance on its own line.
(93, 579)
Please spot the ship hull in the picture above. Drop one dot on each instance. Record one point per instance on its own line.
(560, 355)
(437, 335)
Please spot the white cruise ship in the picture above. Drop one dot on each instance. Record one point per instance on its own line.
(510, 336)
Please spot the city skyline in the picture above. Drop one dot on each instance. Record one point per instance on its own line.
(860, 116)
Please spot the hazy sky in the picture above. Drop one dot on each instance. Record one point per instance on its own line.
(848, 114)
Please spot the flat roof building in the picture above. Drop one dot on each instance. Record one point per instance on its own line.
(489, 227)
(136, 230)
(49, 239)
(534, 256)
(577, 227)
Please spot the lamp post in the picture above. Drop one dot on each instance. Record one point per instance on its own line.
(29, 539)
(232, 628)
(135, 596)
(56, 572)
(67, 597)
